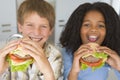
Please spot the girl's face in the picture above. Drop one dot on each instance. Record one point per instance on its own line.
(36, 28)
(93, 28)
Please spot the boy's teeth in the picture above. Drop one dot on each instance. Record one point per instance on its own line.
(36, 39)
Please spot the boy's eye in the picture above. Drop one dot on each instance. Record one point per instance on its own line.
(29, 25)
(44, 26)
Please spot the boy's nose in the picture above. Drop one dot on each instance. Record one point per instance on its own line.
(37, 31)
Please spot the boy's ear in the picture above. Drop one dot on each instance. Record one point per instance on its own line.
(19, 27)
(51, 31)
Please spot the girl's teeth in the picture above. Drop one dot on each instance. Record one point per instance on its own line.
(92, 38)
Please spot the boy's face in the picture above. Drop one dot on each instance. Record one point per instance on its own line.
(36, 28)
(93, 28)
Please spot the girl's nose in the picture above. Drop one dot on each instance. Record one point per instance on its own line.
(93, 29)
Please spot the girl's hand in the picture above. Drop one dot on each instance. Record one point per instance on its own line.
(36, 51)
(113, 58)
(3, 53)
(83, 50)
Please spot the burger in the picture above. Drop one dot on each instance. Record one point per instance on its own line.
(93, 60)
(19, 60)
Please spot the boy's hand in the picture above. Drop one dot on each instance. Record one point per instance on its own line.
(3, 53)
(35, 50)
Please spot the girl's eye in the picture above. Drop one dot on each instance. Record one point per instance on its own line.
(86, 25)
(101, 26)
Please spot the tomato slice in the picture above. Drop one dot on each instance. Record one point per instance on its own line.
(15, 58)
(92, 64)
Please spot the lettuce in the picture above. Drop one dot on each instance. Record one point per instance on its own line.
(100, 55)
(19, 67)
(103, 56)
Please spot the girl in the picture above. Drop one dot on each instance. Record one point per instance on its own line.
(96, 23)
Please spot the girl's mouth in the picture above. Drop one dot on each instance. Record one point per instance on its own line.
(92, 38)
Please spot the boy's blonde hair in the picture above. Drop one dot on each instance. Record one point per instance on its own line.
(41, 7)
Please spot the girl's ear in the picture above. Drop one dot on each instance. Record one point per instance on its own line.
(19, 27)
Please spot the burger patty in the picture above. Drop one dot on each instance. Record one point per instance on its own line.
(91, 59)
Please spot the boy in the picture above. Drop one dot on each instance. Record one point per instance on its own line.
(36, 19)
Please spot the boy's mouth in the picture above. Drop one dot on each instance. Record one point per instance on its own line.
(37, 39)
(92, 38)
